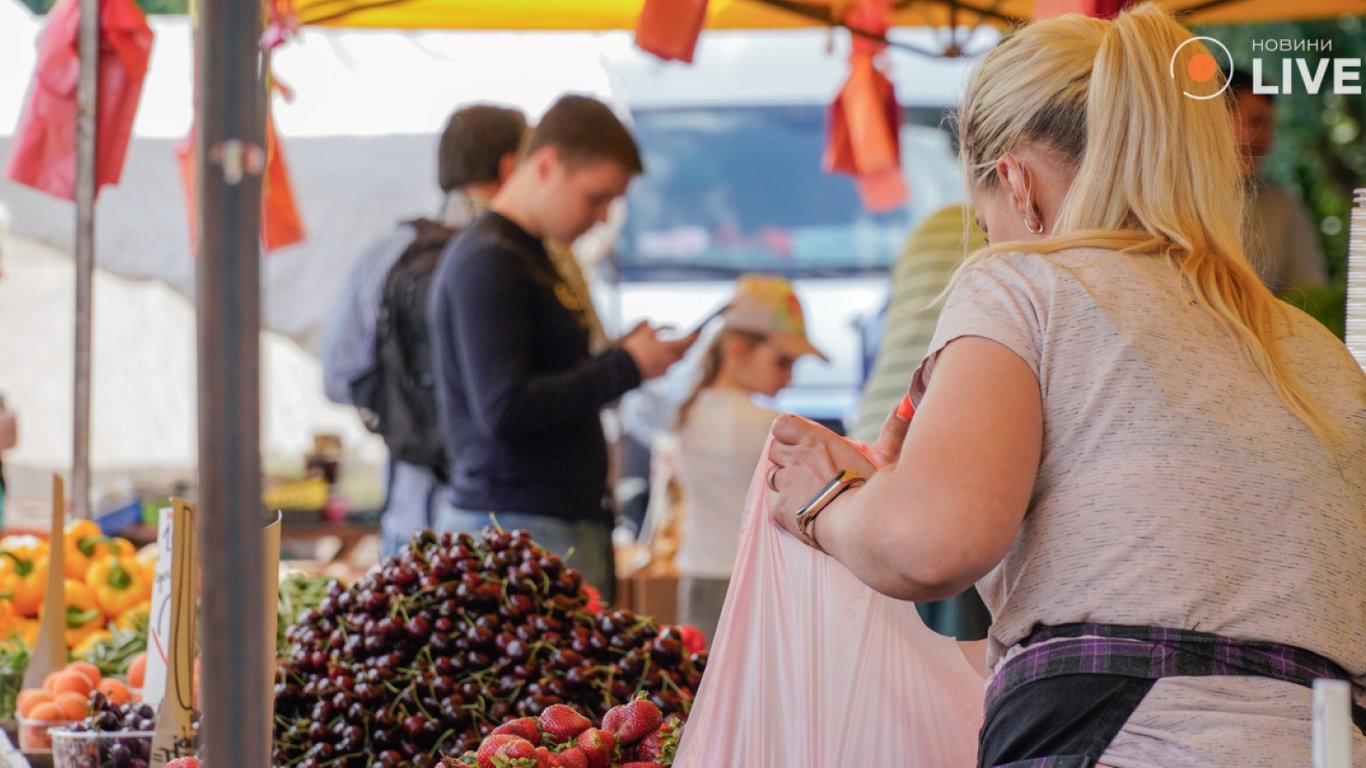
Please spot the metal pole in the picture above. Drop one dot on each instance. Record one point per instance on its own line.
(236, 728)
(87, 104)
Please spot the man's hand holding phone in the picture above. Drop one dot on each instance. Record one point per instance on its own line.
(653, 355)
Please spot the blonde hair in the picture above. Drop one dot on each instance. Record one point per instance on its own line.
(712, 360)
(1162, 175)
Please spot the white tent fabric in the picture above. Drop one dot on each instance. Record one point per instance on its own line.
(143, 386)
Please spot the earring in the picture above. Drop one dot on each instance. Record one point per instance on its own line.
(1038, 231)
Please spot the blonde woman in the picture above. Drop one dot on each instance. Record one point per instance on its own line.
(1154, 472)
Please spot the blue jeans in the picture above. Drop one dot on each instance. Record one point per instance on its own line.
(583, 544)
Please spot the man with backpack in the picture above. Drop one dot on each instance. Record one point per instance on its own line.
(376, 351)
(519, 384)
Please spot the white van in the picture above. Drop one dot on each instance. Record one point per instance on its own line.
(733, 183)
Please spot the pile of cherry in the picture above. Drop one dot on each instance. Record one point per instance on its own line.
(434, 648)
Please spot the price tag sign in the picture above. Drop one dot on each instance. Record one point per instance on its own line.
(175, 736)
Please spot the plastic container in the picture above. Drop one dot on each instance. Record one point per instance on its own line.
(34, 735)
(98, 749)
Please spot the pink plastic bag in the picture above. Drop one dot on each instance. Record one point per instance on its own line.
(810, 668)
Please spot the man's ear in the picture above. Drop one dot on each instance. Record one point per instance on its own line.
(506, 166)
(544, 161)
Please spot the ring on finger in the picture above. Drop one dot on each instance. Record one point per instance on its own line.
(772, 480)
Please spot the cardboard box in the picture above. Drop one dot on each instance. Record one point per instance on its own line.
(655, 595)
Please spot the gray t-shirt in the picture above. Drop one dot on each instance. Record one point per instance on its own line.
(1174, 488)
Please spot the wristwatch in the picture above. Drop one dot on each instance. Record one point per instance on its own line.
(841, 482)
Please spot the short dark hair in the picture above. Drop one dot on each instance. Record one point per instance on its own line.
(475, 141)
(1241, 82)
(582, 128)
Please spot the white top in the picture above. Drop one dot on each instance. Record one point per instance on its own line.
(720, 444)
(1175, 490)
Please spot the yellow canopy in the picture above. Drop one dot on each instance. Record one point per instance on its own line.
(752, 14)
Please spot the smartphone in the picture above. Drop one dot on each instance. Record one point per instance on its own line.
(697, 327)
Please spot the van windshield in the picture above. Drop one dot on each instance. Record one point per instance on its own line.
(733, 190)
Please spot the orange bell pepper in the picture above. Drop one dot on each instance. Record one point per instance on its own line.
(7, 618)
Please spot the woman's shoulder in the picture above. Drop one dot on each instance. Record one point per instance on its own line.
(729, 406)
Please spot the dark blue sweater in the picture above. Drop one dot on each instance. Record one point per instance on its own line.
(518, 392)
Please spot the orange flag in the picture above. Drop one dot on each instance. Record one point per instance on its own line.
(864, 137)
(669, 28)
(281, 223)
(43, 152)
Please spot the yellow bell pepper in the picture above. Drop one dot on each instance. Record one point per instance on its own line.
(84, 542)
(86, 645)
(24, 580)
(25, 544)
(83, 614)
(135, 616)
(119, 583)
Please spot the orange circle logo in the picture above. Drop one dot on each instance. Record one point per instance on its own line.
(1201, 67)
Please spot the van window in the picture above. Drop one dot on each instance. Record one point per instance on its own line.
(733, 190)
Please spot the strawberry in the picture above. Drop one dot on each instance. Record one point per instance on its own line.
(659, 746)
(597, 746)
(184, 762)
(491, 746)
(693, 639)
(563, 722)
(632, 722)
(517, 749)
(546, 759)
(648, 748)
(573, 758)
(528, 728)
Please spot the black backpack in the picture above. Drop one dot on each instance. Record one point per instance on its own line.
(397, 395)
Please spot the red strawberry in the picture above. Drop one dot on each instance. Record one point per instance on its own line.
(518, 749)
(546, 759)
(184, 762)
(573, 758)
(528, 728)
(632, 722)
(649, 748)
(491, 745)
(597, 746)
(693, 639)
(563, 722)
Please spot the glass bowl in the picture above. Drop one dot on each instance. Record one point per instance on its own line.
(98, 749)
